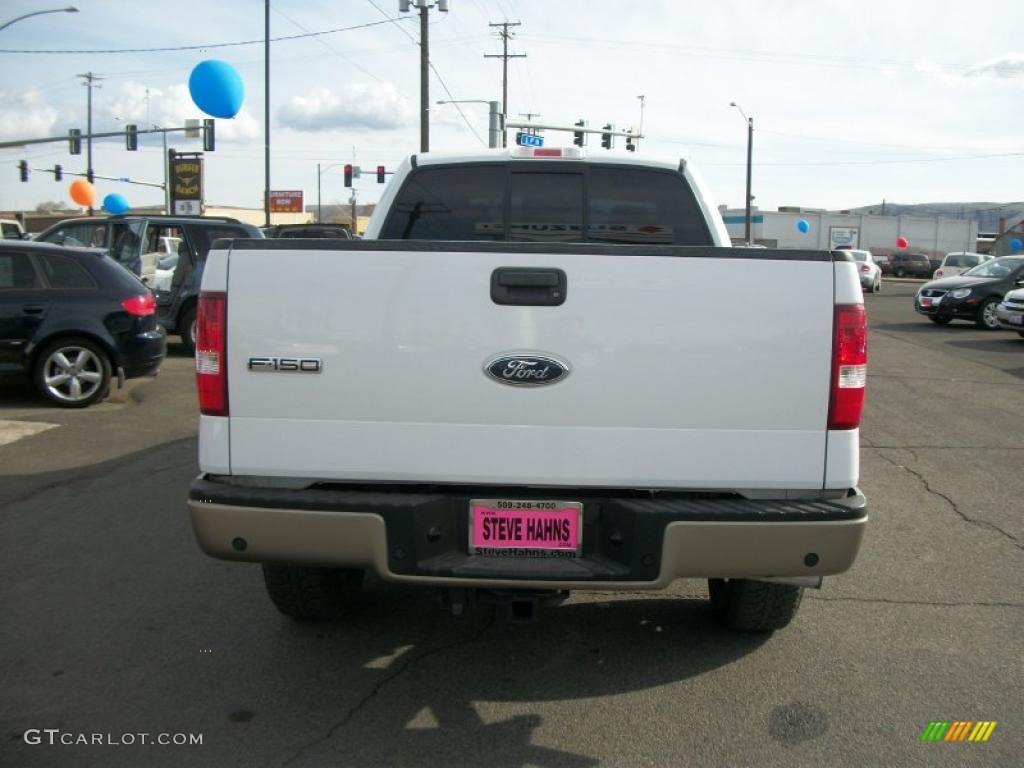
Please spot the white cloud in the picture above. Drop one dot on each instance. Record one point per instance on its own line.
(171, 107)
(1007, 67)
(26, 115)
(353, 106)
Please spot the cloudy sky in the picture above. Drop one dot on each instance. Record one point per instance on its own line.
(852, 102)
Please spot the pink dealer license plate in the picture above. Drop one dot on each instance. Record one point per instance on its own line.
(507, 528)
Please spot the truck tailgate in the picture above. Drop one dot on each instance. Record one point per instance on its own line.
(706, 368)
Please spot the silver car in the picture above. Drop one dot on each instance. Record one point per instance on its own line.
(870, 273)
(1010, 313)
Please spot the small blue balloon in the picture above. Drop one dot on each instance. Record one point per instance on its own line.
(803, 226)
(115, 203)
(1016, 244)
(216, 88)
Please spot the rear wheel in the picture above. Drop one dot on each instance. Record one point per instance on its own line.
(308, 593)
(877, 287)
(900, 271)
(1021, 334)
(986, 317)
(187, 329)
(940, 320)
(72, 372)
(753, 606)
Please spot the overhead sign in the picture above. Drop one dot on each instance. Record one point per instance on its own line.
(286, 201)
(186, 174)
(529, 140)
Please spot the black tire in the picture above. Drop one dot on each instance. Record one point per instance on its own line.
(900, 272)
(311, 594)
(753, 606)
(84, 366)
(1021, 334)
(187, 329)
(986, 317)
(940, 320)
(877, 287)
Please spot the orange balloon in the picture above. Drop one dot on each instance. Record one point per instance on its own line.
(83, 193)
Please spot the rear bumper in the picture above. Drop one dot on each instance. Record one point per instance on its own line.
(143, 353)
(422, 538)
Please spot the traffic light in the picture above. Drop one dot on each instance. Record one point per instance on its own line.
(58, 173)
(606, 138)
(75, 141)
(131, 137)
(209, 139)
(380, 174)
(630, 144)
(23, 169)
(579, 138)
(348, 175)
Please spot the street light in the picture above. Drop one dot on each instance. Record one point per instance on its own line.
(494, 126)
(69, 9)
(750, 149)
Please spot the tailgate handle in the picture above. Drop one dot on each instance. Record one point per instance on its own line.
(528, 286)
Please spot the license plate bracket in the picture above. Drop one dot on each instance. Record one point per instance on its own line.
(525, 528)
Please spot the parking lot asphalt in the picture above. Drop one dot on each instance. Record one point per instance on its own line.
(114, 623)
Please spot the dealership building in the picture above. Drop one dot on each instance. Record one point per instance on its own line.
(828, 230)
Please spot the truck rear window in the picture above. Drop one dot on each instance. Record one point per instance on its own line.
(550, 203)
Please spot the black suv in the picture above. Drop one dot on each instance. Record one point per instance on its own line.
(910, 265)
(167, 252)
(307, 231)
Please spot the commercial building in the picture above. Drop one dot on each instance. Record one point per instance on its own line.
(826, 230)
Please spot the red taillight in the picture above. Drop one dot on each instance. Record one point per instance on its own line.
(142, 305)
(212, 354)
(865, 268)
(849, 366)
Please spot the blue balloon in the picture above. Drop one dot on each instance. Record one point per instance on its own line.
(803, 226)
(216, 88)
(115, 203)
(1016, 244)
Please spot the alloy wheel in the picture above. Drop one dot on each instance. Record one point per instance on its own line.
(72, 374)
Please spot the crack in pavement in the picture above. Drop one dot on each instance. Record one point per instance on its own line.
(890, 601)
(359, 705)
(927, 486)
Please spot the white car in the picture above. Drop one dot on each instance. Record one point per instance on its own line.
(1010, 313)
(959, 261)
(869, 272)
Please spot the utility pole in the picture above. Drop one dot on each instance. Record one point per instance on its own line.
(266, 113)
(424, 7)
(90, 80)
(505, 56)
(529, 116)
(750, 157)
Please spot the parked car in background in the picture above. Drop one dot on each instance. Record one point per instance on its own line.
(1010, 313)
(910, 265)
(954, 263)
(138, 242)
(973, 295)
(73, 319)
(307, 230)
(882, 260)
(868, 271)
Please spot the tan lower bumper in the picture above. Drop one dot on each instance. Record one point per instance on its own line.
(689, 550)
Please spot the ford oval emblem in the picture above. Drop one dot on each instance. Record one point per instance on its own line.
(526, 370)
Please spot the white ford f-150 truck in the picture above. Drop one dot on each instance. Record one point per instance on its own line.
(538, 372)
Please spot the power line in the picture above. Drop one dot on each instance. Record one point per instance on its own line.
(206, 45)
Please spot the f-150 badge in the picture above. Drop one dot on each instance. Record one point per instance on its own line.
(286, 364)
(526, 370)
